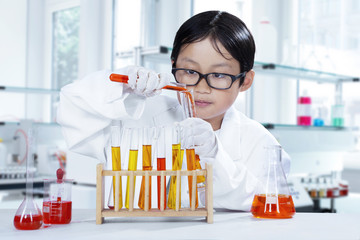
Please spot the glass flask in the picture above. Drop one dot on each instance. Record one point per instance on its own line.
(57, 204)
(272, 198)
(28, 216)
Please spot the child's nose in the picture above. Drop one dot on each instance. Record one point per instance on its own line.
(202, 86)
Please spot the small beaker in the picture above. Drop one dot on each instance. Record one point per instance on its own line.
(272, 198)
(57, 204)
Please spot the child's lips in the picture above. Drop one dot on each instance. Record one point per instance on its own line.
(202, 103)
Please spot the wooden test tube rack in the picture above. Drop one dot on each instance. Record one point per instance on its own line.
(101, 212)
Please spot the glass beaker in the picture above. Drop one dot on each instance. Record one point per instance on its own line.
(272, 198)
(28, 216)
(57, 204)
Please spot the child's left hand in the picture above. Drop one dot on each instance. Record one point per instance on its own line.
(204, 138)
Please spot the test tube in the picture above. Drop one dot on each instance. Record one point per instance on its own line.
(176, 165)
(186, 100)
(191, 165)
(147, 141)
(116, 166)
(160, 153)
(133, 156)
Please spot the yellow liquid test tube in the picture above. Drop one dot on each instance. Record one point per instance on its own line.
(132, 167)
(191, 165)
(146, 167)
(176, 165)
(116, 166)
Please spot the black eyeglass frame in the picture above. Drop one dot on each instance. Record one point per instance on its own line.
(201, 76)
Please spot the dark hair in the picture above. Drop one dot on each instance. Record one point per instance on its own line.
(228, 29)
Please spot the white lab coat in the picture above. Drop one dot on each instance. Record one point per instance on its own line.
(89, 106)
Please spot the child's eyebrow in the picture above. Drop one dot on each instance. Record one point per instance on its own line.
(221, 65)
(186, 59)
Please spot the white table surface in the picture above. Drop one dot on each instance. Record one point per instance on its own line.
(227, 225)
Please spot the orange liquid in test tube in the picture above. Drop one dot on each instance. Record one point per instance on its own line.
(146, 167)
(191, 165)
(199, 179)
(161, 166)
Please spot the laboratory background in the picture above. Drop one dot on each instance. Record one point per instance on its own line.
(306, 90)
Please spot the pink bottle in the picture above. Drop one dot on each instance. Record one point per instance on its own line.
(304, 110)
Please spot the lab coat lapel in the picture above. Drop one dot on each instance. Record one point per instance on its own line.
(229, 134)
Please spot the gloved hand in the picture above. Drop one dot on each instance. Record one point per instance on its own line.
(145, 82)
(204, 140)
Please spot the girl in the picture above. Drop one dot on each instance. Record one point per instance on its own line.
(213, 54)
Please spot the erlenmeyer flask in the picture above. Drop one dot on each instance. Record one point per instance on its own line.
(29, 216)
(272, 198)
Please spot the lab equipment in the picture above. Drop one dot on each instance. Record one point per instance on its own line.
(133, 134)
(337, 112)
(147, 142)
(3, 154)
(191, 165)
(304, 110)
(28, 216)
(57, 203)
(160, 153)
(116, 165)
(273, 199)
(176, 165)
(187, 101)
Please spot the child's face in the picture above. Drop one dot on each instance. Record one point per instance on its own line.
(211, 104)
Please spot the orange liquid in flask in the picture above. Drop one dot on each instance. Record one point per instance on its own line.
(146, 167)
(161, 165)
(116, 166)
(281, 206)
(191, 165)
(132, 167)
(176, 165)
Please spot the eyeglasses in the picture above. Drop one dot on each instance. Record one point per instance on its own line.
(219, 81)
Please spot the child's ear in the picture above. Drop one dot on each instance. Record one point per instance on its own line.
(249, 78)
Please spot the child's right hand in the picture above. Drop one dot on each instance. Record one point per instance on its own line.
(145, 82)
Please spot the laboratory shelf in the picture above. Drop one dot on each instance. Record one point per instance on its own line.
(35, 123)
(301, 128)
(301, 73)
(29, 90)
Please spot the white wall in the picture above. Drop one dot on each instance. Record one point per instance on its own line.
(12, 57)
